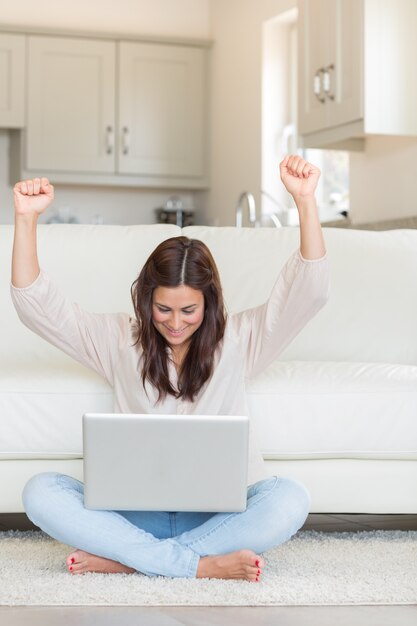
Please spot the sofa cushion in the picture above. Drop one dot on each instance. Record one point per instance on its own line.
(41, 407)
(94, 265)
(372, 310)
(335, 410)
(301, 410)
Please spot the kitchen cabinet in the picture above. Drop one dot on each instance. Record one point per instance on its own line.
(71, 109)
(354, 72)
(115, 112)
(161, 109)
(12, 80)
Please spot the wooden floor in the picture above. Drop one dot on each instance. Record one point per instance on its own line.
(315, 521)
(227, 616)
(214, 616)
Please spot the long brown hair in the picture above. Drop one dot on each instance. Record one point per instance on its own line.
(179, 261)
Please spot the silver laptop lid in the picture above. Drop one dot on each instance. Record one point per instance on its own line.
(165, 462)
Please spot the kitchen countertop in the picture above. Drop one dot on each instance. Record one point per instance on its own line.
(406, 222)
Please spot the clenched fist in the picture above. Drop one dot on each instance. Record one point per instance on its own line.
(299, 176)
(32, 196)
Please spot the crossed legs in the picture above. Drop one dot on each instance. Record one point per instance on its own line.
(182, 544)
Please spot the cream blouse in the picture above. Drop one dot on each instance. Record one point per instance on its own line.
(252, 340)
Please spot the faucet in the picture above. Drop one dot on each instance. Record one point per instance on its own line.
(246, 195)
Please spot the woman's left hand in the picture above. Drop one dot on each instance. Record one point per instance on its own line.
(300, 177)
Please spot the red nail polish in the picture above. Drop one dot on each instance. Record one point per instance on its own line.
(72, 560)
(259, 571)
(257, 579)
(257, 563)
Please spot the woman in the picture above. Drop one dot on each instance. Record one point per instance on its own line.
(180, 355)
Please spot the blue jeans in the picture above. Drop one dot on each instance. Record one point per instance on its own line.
(159, 543)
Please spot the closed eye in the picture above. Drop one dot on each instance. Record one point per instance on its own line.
(186, 311)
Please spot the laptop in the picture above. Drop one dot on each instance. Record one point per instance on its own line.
(167, 463)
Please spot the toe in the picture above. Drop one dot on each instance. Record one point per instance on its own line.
(77, 568)
(252, 573)
(259, 562)
(74, 557)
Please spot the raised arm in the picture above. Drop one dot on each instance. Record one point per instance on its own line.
(300, 178)
(31, 197)
(92, 339)
(302, 286)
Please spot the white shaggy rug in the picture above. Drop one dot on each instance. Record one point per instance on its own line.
(313, 568)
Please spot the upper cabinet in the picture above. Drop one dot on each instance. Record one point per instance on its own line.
(161, 110)
(71, 105)
(355, 75)
(115, 112)
(12, 80)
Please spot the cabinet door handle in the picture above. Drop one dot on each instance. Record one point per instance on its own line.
(317, 85)
(125, 140)
(109, 140)
(327, 81)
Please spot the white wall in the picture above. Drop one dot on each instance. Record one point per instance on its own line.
(383, 180)
(279, 114)
(182, 18)
(236, 103)
(174, 18)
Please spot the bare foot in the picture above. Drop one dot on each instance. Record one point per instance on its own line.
(243, 564)
(80, 562)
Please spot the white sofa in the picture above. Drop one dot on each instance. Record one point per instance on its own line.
(337, 410)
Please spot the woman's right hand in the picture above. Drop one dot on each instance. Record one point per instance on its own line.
(31, 197)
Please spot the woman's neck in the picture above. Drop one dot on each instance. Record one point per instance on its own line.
(178, 354)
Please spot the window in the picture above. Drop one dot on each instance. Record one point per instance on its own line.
(333, 189)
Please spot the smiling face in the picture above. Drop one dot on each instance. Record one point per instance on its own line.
(177, 312)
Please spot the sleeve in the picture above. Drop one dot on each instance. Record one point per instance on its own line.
(300, 291)
(92, 339)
